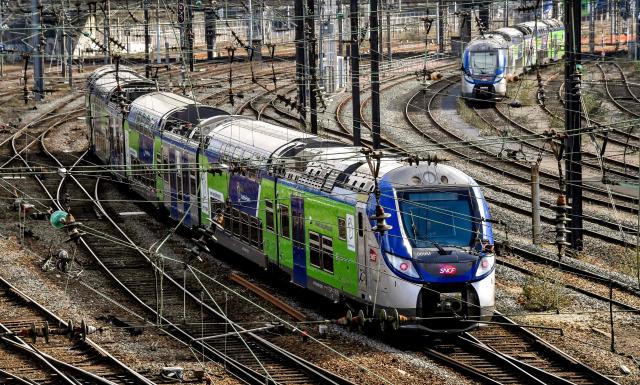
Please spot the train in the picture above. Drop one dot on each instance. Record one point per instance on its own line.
(495, 58)
(304, 206)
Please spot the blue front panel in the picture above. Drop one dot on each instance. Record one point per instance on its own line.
(298, 235)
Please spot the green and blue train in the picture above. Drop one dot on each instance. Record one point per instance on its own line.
(492, 60)
(302, 204)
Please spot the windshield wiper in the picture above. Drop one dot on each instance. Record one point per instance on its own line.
(441, 250)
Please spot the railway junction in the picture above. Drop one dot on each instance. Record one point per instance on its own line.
(319, 192)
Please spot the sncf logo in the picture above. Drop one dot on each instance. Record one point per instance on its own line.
(448, 270)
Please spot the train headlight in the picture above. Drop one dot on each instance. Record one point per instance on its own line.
(402, 265)
(486, 264)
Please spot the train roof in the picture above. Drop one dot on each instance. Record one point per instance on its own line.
(160, 109)
(554, 24)
(508, 33)
(488, 42)
(299, 157)
(103, 81)
(529, 27)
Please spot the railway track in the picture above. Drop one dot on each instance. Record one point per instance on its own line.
(618, 86)
(615, 136)
(60, 360)
(495, 116)
(507, 354)
(424, 104)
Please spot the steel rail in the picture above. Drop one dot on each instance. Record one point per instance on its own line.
(549, 348)
(487, 184)
(533, 134)
(517, 165)
(139, 378)
(610, 94)
(563, 266)
(619, 142)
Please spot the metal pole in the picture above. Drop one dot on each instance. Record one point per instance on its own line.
(300, 69)
(209, 31)
(311, 43)
(147, 39)
(70, 58)
(2, 38)
(38, 43)
(340, 18)
(251, 24)
(535, 203)
(355, 72)
(321, 38)
(190, 35)
(613, 337)
(389, 57)
(63, 50)
(592, 27)
(572, 119)
(375, 73)
(505, 17)
(107, 34)
(440, 15)
(637, 16)
(158, 55)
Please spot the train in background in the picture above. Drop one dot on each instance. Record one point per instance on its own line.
(491, 61)
(304, 205)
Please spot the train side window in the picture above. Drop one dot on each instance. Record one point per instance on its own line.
(165, 165)
(185, 180)
(194, 182)
(256, 232)
(216, 206)
(235, 221)
(342, 229)
(268, 204)
(284, 221)
(314, 249)
(360, 225)
(327, 254)
(245, 226)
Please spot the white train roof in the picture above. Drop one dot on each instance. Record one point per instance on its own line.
(103, 81)
(165, 110)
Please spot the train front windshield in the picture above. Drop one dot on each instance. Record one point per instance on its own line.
(444, 217)
(483, 62)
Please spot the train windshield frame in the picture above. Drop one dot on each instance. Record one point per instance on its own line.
(447, 217)
(483, 62)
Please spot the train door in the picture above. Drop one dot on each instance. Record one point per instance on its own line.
(173, 179)
(166, 177)
(361, 248)
(298, 242)
(186, 188)
(117, 158)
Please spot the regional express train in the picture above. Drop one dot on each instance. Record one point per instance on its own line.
(301, 204)
(497, 57)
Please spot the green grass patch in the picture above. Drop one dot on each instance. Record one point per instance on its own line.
(472, 118)
(524, 91)
(592, 104)
(541, 292)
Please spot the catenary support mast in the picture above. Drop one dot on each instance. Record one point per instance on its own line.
(572, 118)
